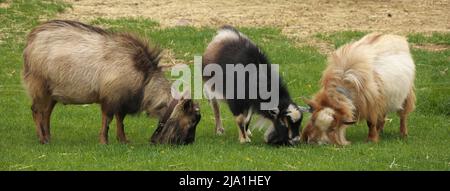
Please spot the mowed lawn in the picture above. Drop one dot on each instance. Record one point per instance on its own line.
(75, 129)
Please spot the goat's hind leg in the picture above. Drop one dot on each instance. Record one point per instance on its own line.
(216, 110)
(403, 126)
(38, 118)
(247, 122)
(47, 114)
(42, 109)
(408, 106)
(215, 107)
(42, 105)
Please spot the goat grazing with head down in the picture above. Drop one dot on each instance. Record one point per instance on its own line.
(365, 79)
(74, 63)
(230, 48)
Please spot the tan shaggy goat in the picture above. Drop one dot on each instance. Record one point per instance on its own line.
(365, 79)
(74, 63)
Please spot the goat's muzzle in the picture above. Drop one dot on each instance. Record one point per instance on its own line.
(179, 126)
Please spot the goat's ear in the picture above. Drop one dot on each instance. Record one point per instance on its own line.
(294, 113)
(188, 104)
(312, 105)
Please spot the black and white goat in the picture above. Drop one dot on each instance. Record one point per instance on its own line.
(230, 48)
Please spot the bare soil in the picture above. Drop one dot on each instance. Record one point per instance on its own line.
(5, 4)
(297, 19)
(431, 47)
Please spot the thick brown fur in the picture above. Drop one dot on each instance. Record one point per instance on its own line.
(74, 63)
(352, 87)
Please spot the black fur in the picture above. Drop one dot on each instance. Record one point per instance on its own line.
(146, 58)
(245, 52)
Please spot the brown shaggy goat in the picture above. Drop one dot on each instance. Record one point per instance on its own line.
(74, 63)
(365, 79)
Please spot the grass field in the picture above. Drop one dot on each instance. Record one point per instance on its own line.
(75, 129)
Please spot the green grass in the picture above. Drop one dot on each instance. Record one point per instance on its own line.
(435, 38)
(340, 38)
(75, 129)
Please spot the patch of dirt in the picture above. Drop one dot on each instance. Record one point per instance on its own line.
(297, 19)
(322, 46)
(432, 47)
(168, 60)
(5, 5)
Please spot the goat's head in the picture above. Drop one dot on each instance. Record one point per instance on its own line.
(286, 126)
(179, 123)
(326, 126)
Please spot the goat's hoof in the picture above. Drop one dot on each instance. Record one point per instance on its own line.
(220, 131)
(249, 133)
(372, 140)
(44, 141)
(123, 140)
(245, 140)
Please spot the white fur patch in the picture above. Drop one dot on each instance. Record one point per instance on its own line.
(397, 72)
(249, 116)
(261, 123)
(225, 34)
(324, 118)
(294, 113)
(268, 132)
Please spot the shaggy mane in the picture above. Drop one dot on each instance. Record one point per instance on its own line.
(145, 58)
(350, 68)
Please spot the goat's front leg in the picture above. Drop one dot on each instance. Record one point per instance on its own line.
(240, 120)
(247, 122)
(380, 124)
(106, 120)
(373, 131)
(121, 137)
